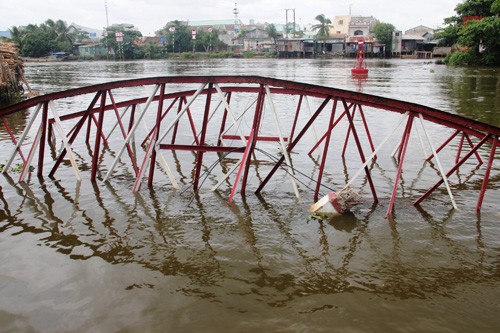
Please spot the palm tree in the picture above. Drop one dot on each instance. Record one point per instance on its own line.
(323, 27)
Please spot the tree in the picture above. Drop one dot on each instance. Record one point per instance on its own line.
(271, 31)
(383, 32)
(481, 37)
(495, 7)
(207, 40)
(180, 38)
(477, 38)
(474, 8)
(323, 27)
(126, 49)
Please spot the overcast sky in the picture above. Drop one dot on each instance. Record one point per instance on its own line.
(151, 15)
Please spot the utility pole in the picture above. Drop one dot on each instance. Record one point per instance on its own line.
(286, 26)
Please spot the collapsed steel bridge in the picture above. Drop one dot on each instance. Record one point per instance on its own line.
(228, 116)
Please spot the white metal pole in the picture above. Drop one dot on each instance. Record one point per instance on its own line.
(23, 136)
(132, 132)
(282, 142)
(438, 162)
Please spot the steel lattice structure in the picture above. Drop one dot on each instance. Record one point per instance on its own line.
(204, 110)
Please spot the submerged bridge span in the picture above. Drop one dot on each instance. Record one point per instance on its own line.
(230, 127)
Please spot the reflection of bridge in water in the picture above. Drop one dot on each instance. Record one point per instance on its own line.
(244, 116)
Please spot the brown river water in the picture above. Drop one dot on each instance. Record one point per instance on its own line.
(94, 257)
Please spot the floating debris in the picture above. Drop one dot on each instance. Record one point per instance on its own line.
(337, 202)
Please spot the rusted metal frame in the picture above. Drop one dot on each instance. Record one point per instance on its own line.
(454, 168)
(297, 112)
(360, 150)
(131, 119)
(328, 130)
(176, 126)
(224, 119)
(246, 154)
(199, 156)
(34, 146)
(41, 150)
(444, 144)
(96, 122)
(406, 139)
(148, 136)
(325, 151)
(348, 134)
(478, 157)
(27, 128)
(191, 121)
(145, 162)
(438, 161)
(131, 135)
(460, 146)
(487, 174)
(156, 135)
(259, 109)
(211, 149)
(285, 153)
(259, 138)
(236, 121)
(13, 138)
(367, 130)
(379, 147)
(80, 124)
(99, 135)
(283, 85)
(155, 145)
(65, 141)
(294, 142)
(119, 118)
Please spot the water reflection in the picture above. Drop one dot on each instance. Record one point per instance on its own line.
(475, 93)
(269, 253)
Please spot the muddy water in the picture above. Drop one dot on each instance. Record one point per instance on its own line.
(94, 257)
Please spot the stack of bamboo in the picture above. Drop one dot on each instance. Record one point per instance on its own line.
(11, 72)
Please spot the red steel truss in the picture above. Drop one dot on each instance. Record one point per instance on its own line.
(184, 107)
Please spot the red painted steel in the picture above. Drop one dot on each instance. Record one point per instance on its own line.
(325, 151)
(13, 138)
(232, 87)
(402, 151)
(487, 174)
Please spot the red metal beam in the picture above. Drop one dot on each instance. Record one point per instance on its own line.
(454, 168)
(406, 139)
(487, 174)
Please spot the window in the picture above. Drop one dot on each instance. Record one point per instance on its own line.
(358, 33)
(341, 22)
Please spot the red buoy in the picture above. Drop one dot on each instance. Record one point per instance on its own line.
(360, 69)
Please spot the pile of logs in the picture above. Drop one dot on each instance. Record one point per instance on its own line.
(11, 73)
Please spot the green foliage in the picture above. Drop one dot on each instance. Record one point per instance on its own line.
(323, 27)
(484, 31)
(127, 49)
(271, 31)
(470, 36)
(447, 36)
(474, 7)
(207, 41)
(383, 32)
(495, 7)
(40, 40)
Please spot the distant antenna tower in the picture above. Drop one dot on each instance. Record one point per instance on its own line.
(106, 6)
(236, 21)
